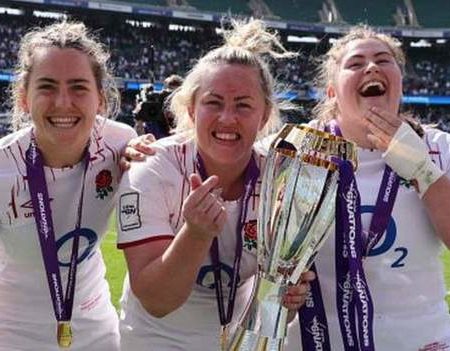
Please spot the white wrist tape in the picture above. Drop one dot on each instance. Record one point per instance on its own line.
(408, 156)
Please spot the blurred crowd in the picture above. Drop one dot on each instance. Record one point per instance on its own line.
(153, 53)
(429, 78)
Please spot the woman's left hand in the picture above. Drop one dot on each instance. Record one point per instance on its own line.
(382, 126)
(296, 294)
(137, 149)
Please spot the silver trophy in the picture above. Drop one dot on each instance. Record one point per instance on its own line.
(296, 210)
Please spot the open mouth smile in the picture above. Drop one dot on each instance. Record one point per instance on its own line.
(372, 88)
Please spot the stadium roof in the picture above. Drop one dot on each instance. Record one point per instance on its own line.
(300, 15)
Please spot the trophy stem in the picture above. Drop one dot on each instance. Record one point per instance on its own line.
(265, 322)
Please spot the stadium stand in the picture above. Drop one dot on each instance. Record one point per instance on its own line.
(239, 7)
(435, 16)
(379, 13)
(144, 52)
(299, 10)
(174, 52)
(146, 2)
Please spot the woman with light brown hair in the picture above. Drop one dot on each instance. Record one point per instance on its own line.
(380, 275)
(59, 176)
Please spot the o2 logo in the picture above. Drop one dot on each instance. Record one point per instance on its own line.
(86, 234)
(205, 276)
(387, 241)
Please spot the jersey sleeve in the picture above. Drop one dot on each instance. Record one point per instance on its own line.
(115, 132)
(144, 207)
(438, 143)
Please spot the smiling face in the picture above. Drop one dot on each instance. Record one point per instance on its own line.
(228, 111)
(63, 100)
(367, 75)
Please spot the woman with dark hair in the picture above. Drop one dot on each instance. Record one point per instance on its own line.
(59, 176)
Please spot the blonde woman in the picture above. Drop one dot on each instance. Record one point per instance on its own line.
(187, 216)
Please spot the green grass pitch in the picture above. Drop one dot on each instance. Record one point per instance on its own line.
(115, 263)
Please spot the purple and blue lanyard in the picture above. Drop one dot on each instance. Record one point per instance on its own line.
(62, 305)
(354, 302)
(250, 179)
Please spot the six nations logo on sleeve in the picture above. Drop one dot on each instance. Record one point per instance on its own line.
(129, 211)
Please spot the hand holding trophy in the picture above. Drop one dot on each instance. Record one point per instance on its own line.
(296, 211)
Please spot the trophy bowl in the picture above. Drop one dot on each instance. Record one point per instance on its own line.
(296, 210)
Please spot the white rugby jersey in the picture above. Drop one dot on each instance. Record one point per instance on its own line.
(151, 197)
(27, 320)
(403, 271)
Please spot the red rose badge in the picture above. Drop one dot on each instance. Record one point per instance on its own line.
(103, 182)
(250, 232)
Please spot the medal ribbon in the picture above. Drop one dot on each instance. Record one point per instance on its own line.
(352, 290)
(384, 204)
(62, 305)
(313, 320)
(354, 302)
(251, 176)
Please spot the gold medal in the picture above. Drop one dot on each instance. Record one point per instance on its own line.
(223, 337)
(64, 334)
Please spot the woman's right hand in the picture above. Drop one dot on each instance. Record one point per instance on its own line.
(137, 149)
(203, 212)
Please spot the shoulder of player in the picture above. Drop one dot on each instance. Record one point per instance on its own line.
(20, 136)
(113, 131)
(437, 136)
(174, 147)
(12, 151)
(171, 158)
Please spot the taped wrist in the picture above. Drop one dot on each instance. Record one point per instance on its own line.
(408, 156)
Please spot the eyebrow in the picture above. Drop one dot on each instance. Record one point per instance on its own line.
(376, 55)
(237, 98)
(70, 81)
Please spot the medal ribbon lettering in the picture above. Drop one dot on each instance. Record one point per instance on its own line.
(62, 304)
